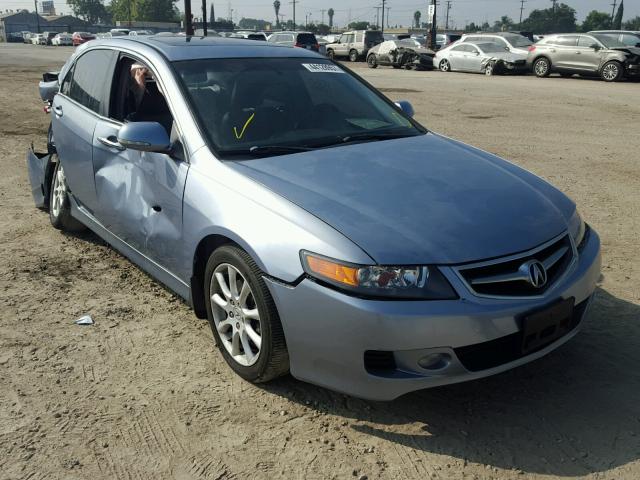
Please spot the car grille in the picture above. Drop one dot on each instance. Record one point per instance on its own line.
(494, 353)
(508, 277)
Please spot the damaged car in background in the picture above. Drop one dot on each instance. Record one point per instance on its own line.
(319, 228)
(487, 58)
(405, 53)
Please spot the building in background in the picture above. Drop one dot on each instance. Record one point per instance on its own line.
(48, 9)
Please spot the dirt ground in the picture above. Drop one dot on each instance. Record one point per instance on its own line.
(143, 393)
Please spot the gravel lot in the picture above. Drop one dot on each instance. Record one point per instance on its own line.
(143, 394)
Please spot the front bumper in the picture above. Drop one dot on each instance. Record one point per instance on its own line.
(632, 70)
(328, 332)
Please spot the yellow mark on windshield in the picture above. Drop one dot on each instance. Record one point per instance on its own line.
(246, 124)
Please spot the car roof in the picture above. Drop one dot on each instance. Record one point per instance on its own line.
(179, 47)
(633, 32)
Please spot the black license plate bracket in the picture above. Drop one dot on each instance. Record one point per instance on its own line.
(542, 327)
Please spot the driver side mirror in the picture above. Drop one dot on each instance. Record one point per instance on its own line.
(595, 46)
(406, 107)
(145, 137)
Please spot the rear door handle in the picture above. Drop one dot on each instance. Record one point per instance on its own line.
(111, 142)
(57, 110)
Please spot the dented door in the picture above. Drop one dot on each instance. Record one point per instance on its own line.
(139, 196)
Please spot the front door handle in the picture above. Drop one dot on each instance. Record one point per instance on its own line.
(578, 53)
(111, 142)
(57, 110)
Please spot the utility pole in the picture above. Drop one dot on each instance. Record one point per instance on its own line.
(212, 14)
(383, 7)
(431, 39)
(613, 12)
(388, 8)
(293, 2)
(188, 25)
(377, 16)
(522, 2)
(446, 23)
(35, 2)
(323, 16)
(204, 17)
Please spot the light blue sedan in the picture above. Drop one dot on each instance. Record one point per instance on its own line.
(320, 229)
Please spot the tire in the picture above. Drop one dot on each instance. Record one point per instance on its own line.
(372, 62)
(612, 71)
(330, 54)
(230, 323)
(59, 206)
(542, 67)
(353, 56)
(489, 69)
(444, 65)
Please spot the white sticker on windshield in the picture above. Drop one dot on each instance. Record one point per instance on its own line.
(322, 67)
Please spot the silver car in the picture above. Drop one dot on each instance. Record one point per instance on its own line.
(487, 58)
(513, 42)
(320, 229)
(593, 54)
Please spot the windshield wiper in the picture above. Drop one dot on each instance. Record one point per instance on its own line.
(374, 136)
(258, 149)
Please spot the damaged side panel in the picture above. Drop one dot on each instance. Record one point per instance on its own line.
(38, 165)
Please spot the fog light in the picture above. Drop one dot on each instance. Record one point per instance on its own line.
(435, 361)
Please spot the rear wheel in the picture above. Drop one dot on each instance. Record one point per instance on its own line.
(444, 65)
(59, 206)
(243, 316)
(372, 62)
(611, 71)
(542, 67)
(353, 56)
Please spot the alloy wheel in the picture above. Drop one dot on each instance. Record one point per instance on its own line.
(59, 191)
(541, 67)
(444, 65)
(610, 72)
(235, 314)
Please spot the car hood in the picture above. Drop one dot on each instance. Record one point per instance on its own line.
(419, 200)
(631, 50)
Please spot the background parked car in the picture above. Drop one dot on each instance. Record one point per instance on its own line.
(444, 39)
(119, 32)
(260, 36)
(630, 39)
(400, 53)
(296, 39)
(48, 37)
(585, 54)
(82, 37)
(38, 39)
(488, 58)
(135, 33)
(15, 37)
(26, 37)
(62, 39)
(515, 42)
(355, 44)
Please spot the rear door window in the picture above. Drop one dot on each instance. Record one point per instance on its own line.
(91, 81)
(630, 39)
(569, 41)
(584, 41)
(306, 39)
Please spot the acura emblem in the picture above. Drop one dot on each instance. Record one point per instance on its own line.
(535, 272)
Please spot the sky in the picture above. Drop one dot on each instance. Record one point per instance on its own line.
(400, 13)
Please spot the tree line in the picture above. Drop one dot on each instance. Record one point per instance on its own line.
(562, 18)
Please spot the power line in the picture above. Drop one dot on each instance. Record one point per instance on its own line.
(522, 2)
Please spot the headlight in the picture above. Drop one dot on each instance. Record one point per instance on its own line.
(402, 282)
(577, 228)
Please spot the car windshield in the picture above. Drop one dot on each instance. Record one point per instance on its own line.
(607, 41)
(248, 105)
(492, 48)
(518, 41)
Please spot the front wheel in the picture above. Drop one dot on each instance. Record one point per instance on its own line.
(611, 71)
(489, 69)
(59, 206)
(243, 316)
(542, 67)
(444, 65)
(331, 54)
(353, 56)
(372, 62)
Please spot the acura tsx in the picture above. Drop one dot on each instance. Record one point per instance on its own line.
(320, 228)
